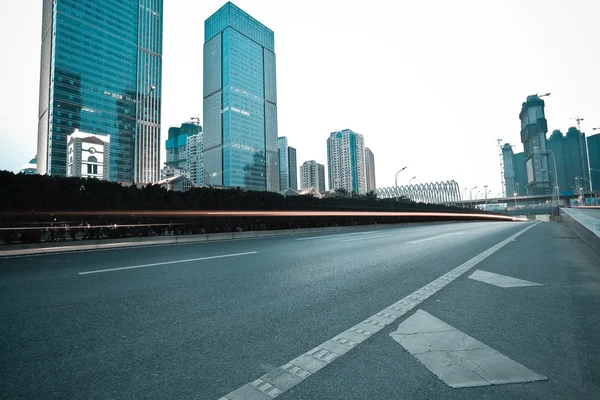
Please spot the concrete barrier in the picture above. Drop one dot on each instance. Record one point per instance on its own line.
(588, 230)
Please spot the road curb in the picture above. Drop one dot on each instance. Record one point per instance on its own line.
(580, 230)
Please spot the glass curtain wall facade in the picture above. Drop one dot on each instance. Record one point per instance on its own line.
(594, 150)
(99, 63)
(509, 170)
(284, 172)
(292, 168)
(240, 102)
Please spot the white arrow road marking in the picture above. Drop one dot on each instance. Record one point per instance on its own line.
(455, 357)
(500, 280)
(283, 378)
(436, 237)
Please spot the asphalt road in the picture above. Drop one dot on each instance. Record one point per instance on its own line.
(200, 321)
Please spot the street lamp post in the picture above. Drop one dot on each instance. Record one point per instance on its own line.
(555, 183)
(485, 191)
(396, 178)
(471, 195)
(411, 179)
(396, 182)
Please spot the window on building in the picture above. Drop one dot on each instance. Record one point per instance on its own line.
(89, 168)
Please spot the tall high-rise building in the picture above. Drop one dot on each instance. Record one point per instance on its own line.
(240, 102)
(533, 136)
(370, 169)
(346, 161)
(312, 175)
(515, 175)
(509, 170)
(101, 67)
(288, 169)
(293, 168)
(194, 159)
(594, 150)
(176, 144)
(571, 160)
(520, 174)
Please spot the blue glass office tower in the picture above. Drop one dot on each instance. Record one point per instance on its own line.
(101, 70)
(288, 169)
(240, 102)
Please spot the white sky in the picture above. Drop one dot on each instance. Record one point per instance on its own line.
(430, 84)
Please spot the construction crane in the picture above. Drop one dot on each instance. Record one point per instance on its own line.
(502, 183)
(578, 119)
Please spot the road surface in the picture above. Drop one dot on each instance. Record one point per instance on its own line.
(490, 310)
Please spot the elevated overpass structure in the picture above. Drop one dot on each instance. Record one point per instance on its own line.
(540, 198)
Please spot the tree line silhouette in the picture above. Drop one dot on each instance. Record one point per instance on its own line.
(25, 194)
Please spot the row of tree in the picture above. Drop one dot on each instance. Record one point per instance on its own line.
(24, 194)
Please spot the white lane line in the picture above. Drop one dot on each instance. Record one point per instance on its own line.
(330, 236)
(167, 263)
(295, 371)
(455, 357)
(502, 281)
(436, 237)
(365, 238)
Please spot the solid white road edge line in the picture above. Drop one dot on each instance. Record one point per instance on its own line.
(167, 263)
(330, 236)
(365, 238)
(436, 237)
(283, 378)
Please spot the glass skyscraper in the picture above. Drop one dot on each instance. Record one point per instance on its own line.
(288, 170)
(240, 102)
(101, 68)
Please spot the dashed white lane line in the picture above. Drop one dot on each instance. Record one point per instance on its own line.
(330, 236)
(295, 371)
(436, 237)
(502, 281)
(365, 238)
(167, 263)
(455, 357)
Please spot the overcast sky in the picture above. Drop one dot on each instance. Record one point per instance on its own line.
(430, 84)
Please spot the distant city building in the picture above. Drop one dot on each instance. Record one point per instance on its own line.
(88, 155)
(288, 170)
(240, 102)
(30, 168)
(533, 136)
(170, 171)
(571, 160)
(100, 72)
(312, 175)
(194, 159)
(177, 183)
(594, 150)
(293, 168)
(520, 173)
(509, 170)
(370, 169)
(346, 161)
